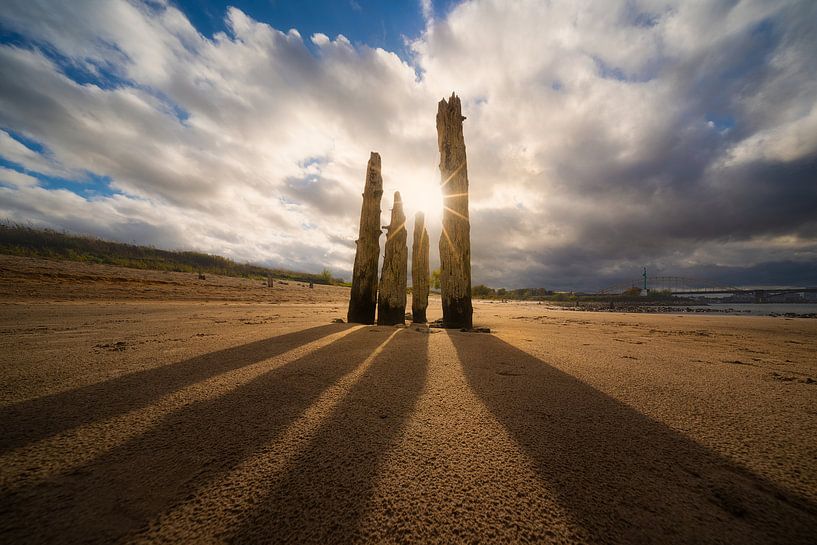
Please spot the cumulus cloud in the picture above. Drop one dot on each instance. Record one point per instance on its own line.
(601, 136)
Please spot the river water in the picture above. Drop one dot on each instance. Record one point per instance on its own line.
(749, 309)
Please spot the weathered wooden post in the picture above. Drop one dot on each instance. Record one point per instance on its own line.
(391, 301)
(419, 270)
(363, 298)
(455, 241)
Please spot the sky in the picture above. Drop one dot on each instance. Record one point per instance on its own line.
(602, 137)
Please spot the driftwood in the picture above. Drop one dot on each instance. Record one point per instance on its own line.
(455, 240)
(391, 301)
(363, 298)
(419, 270)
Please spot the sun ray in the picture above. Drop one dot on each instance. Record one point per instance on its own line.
(454, 255)
(456, 213)
(448, 238)
(454, 173)
(391, 234)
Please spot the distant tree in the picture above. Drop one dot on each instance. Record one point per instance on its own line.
(520, 293)
(326, 276)
(435, 279)
(482, 291)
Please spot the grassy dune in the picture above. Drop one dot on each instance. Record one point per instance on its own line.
(26, 241)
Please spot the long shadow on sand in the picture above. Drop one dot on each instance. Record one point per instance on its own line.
(123, 489)
(325, 492)
(622, 476)
(30, 421)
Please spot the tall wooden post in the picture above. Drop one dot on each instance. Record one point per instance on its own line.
(419, 270)
(391, 301)
(455, 241)
(363, 299)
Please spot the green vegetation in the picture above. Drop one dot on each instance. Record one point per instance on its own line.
(45, 243)
(435, 279)
(522, 294)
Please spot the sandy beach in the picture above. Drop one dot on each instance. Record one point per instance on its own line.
(147, 407)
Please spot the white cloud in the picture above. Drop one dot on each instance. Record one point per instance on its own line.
(16, 179)
(600, 136)
(783, 142)
(29, 159)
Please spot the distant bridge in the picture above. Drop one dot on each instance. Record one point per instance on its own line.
(678, 285)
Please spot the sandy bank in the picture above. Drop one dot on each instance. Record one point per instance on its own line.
(249, 420)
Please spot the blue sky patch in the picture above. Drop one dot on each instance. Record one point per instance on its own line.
(721, 122)
(608, 71)
(30, 143)
(370, 22)
(93, 185)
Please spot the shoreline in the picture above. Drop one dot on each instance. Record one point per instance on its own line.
(687, 309)
(664, 308)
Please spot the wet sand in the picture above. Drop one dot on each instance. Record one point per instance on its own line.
(160, 408)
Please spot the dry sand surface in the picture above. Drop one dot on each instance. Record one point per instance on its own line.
(144, 407)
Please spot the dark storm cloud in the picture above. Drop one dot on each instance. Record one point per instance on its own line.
(801, 274)
(710, 149)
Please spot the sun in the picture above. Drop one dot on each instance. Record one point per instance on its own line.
(423, 196)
